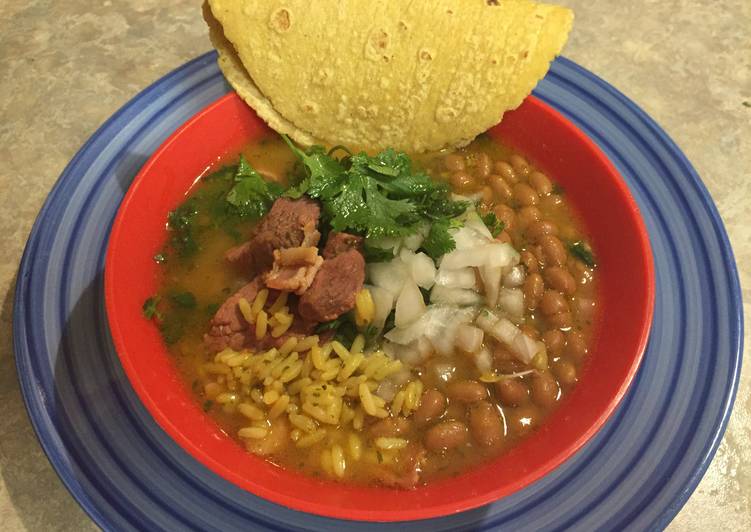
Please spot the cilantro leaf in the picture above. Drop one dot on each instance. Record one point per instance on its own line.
(376, 196)
(184, 299)
(252, 195)
(439, 241)
(376, 254)
(495, 226)
(182, 223)
(583, 252)
(149, 308)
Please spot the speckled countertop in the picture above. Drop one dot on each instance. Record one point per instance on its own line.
(67, 66)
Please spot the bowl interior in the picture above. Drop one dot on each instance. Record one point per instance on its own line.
(626, 294)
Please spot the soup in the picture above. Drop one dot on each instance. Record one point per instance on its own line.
(375, 353)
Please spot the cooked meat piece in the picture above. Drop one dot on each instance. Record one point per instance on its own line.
(228, 327)
(410, 466)
(334, 289)
(338, 243)
(240, 256)
(294, 272)
(288, 224)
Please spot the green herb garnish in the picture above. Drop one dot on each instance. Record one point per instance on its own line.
(376, 254)
(184, 299)
(149, 308)
(583, 252)
(251, 194)
(495, 226)
(379, 196)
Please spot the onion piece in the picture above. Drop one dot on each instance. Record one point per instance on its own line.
(484, 360)
(511, 300)
(461, 278)
(386, 390)
(468, 338)
(475, 223)
(454, 296)
(409, 305)
(438, 320)
(383, 300)
(420, 267)
(515, 277)
(494, 255)
(523, 347)
(491, 279)
(388, 275)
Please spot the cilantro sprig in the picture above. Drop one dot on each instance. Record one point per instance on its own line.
(251, 194)
(378, 196)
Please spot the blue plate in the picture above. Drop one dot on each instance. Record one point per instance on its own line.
(128, 474)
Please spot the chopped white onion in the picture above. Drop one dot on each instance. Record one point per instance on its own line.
(388, 275)
(420, 267)
(484, 360)
(515, 277)
(438, 320)
(491, 279)
(444, 371)
(386, 390)
(383, 300)
(455, 296)
(511, 300)
(461, 278)
(409, 305)
(523, 347)
(474, 222)
(494, 255)
(468, 338)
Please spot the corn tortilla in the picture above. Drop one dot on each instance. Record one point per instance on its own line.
(415, 76)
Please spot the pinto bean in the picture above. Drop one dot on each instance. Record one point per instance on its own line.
(519, 164)
(576, 347)
(485, 424)
(553, 250)
(544, 389)
(512, 392)
(527, 216)
(454, 162)
(541, 183)
(525, 195)
(446, 435)
(565, 371)
(501, 189)
(530, 261)
(522, 420)
(506, 171)
(483, 165)
(553, 302)
(467, 391)
(461, 181)
(554, 341)
(533, 290)
(390, 427)
(559, 278)
(505, 214)
(432, 406)
(562, 320)
(539, 228)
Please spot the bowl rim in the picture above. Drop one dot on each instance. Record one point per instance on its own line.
(368, 515)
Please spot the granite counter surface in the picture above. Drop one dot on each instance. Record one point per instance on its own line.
(67, 66)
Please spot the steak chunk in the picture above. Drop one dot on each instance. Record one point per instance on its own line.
(334, 288)
(288, 224)
(228, 327)
(338, 243)
(230, 330)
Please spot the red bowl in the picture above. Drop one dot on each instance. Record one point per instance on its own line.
(626, 300)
